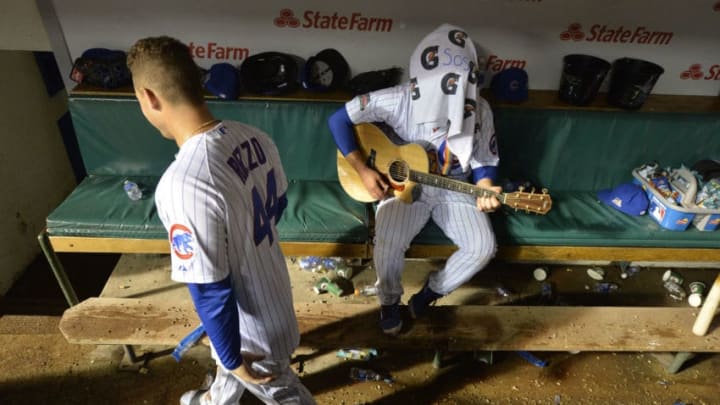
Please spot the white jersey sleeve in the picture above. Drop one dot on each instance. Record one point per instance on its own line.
(485, 148)
(388, 105)
(193, 212)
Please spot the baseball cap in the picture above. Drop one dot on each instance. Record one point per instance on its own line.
(270, 73)
(629, 198)
(222, 81)
(510, 85)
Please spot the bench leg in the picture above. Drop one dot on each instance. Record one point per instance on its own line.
(673, 362)
(439, 360)
(678, 361)
(132, 362)
(57, 269)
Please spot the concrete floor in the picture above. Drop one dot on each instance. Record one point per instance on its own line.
(39, 367)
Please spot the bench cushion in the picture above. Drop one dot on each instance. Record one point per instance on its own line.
(577, 218)
(318, 211)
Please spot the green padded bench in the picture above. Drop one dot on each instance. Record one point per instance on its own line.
(117, 143)
(573, 152)
(318, 211)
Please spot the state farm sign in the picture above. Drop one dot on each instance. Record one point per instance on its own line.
(332, 21)
(620, 34)
(695, 72)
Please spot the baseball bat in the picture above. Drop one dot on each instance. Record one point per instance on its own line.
(707, 312)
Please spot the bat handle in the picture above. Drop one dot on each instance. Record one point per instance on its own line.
(707, 312)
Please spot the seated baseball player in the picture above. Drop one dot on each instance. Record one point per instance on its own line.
(219, 201)
(440, 109)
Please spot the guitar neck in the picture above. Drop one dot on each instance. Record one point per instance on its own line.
(453, 185)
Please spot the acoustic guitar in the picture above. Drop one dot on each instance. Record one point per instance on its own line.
(407, 165)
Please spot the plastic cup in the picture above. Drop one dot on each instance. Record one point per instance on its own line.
(540, 273)
(697, 290)
(672, 276)
(596, 273)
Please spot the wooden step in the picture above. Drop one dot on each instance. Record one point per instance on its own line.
(455, 328)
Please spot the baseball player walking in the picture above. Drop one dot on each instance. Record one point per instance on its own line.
(219, 201)
(440, 109)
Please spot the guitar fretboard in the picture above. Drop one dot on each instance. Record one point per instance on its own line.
(453, 185)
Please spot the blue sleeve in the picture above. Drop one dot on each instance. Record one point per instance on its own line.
(484, 172)
(341, 128)
(216, 305)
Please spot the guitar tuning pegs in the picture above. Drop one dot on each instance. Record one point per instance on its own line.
(532, 190)
(521, 188)
(545, 191)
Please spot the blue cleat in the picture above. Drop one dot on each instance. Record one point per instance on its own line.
(390, 320)
(419, 303)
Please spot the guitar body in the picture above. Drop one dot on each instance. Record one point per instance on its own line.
(378, 152)
(405, 165)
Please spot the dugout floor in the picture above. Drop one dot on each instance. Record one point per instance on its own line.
(39, 367)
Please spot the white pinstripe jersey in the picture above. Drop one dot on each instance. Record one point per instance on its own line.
(218, 200)
(392, 106)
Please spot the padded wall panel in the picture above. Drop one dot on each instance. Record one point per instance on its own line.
(580, 150)
(115, 138)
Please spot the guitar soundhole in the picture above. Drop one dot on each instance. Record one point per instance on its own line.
(399, 171)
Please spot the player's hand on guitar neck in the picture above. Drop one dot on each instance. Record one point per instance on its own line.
(488, 204)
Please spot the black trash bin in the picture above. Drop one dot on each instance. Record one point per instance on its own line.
(631, 81)
(581, 78)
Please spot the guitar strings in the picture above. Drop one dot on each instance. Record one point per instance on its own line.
(400, 173)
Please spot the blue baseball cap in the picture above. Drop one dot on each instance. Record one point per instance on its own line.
(222, 80)
(510, 85)
(629, 198)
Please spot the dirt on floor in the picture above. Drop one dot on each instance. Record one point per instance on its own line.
(39, 367)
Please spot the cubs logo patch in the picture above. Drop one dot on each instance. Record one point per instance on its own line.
(182, 242)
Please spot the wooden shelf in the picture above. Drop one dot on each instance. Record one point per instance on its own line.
(548, 100)
(336, 96)
(537, 99)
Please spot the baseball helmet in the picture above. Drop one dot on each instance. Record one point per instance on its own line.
(325, 71)
(102, 67)
(270, 73)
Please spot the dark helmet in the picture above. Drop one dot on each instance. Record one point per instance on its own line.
(270, 73)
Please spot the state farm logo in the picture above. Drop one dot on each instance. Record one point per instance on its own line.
(695, 72)
(573, 32)
(287, 19)
(212, 50)
(603, 33)
(334, 21)
(494, 63)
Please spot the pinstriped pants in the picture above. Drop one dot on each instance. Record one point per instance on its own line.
(397, 223)
(285, 389)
